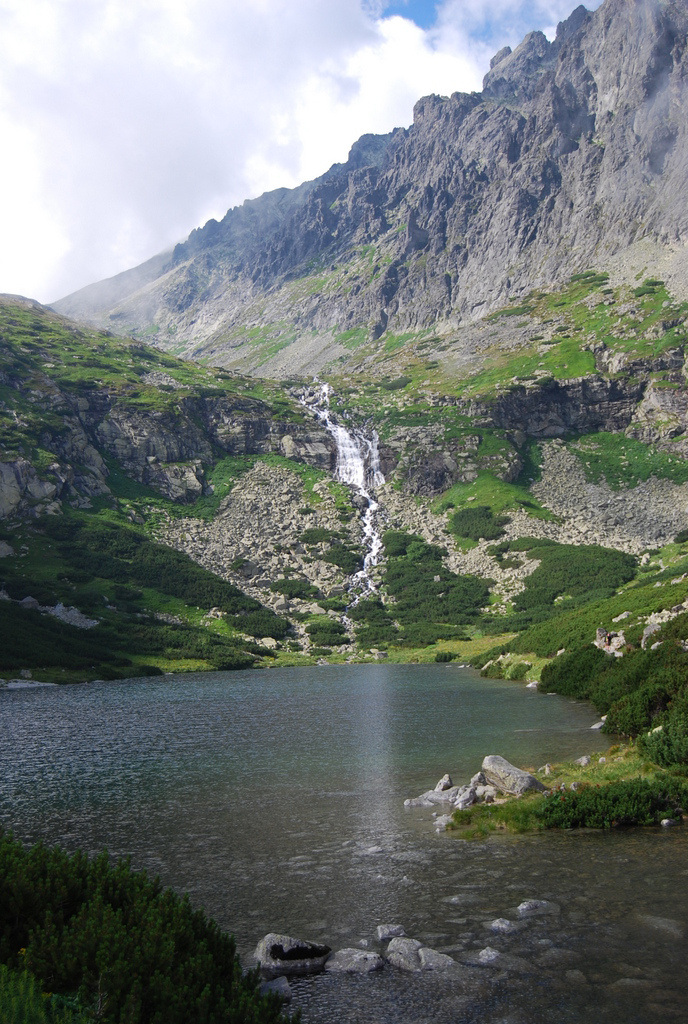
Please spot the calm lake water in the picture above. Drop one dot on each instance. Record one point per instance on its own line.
(275, 798)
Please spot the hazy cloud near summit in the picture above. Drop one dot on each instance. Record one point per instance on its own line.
(125, 126)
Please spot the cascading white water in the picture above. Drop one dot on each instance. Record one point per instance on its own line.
(358, 464)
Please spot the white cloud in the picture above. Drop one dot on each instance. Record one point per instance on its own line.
(126, 125)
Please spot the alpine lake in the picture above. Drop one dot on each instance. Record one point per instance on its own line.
(275, 798)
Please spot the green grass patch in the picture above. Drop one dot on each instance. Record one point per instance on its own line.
(495, 494)
(625, 462)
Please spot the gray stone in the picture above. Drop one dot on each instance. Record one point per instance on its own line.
(354, 961)
(444, 783)
(278, 986)
(385, 932)
(583, 761)
(532, 908)
(502, 926)
(465, 799)
(494, 958)
(485, 794)
(284, 955)
(432, 960)
(507, 778)
(666, 925)
(433, 796)
(403, 953)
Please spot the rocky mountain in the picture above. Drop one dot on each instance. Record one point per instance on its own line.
(574, 155)
(497, 298)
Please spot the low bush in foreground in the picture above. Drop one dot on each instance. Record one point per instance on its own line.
(22, 1002)
(124, 947)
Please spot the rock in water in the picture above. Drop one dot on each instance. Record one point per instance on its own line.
(278, 986)
(444, 783)
(282, 955)
(403, 953)
(385, 932)
(354, 961)
(507, 778)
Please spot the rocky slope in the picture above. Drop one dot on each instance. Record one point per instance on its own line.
(574, 155)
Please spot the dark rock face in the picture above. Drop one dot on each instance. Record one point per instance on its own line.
(574, 150)
(581, 405)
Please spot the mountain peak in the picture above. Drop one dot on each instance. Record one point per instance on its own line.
(572, 156)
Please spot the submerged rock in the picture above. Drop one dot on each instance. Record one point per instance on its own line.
(385, 932)
(403, 953)
(281, 955)
(354, 961)
(530, 908)
(412, 956)
(278, 986)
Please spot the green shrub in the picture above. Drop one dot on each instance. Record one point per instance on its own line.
(519, 671)
(373, 623)
(131, 950)
(343, 557)
(444, 656)
(668, 745)
(396, 542)
(263, 623)
(294, 588)
(430, 600)
(636, 802)
(22, 1002)
(493, 670)
(634, 690)
(478, 521)
(631, 714)
(316, 535)
(327, 632)
(578, 571)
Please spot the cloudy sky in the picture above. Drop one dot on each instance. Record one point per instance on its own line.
(125, 125)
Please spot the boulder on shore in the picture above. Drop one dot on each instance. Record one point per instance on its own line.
(507, 778)
(282, 955)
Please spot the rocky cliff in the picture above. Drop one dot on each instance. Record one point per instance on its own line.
(73, 402)
(573, 155)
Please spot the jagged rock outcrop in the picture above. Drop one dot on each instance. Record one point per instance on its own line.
(60, 427)
(574, 151)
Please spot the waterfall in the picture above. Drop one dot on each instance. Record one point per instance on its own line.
(358, 464)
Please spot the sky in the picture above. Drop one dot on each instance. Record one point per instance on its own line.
(125, 125)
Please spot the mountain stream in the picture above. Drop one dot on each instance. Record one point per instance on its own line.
(358, 464)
